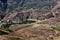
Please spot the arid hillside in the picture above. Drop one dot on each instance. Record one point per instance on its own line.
(30, 20)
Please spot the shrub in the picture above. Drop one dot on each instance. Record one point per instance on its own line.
(5, 26)
(9, 30)
(28, 21)
(56, 28)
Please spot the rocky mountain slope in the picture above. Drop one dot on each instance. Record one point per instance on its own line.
(11, 5)
(30, 20)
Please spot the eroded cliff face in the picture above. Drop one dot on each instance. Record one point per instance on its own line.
(27, 4)
(41, 9)
(44, 6)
